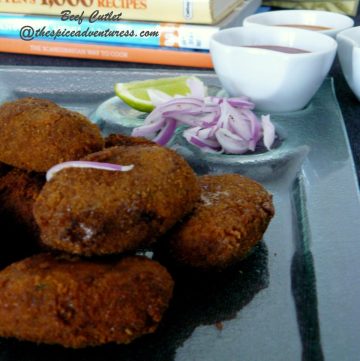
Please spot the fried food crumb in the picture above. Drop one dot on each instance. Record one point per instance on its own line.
(96, 212)
(228, 221)
(77, 303)
(46, 134)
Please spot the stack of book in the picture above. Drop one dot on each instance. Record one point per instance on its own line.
(175, 32)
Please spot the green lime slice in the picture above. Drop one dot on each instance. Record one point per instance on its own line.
(136, 96)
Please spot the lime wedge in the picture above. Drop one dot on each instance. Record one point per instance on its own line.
(135, 93)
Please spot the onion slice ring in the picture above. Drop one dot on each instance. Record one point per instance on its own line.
(223, 125)
(86, 164)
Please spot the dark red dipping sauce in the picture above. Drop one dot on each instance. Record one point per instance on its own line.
(281, 49)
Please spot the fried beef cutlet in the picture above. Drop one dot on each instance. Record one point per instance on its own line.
(37, 134)
(18, 191)
(90, 211)
(225, 225)
(20, 236)
(76, 303)
(113, 140)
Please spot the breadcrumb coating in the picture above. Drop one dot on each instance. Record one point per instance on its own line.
(90, 211)
(37, 134)
(76, 303)
(225, 225)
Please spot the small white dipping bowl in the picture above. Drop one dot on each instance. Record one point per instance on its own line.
(275, 81)
(336, 22)
(349, 55)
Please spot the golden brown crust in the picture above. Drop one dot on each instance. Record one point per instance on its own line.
(123, 140)
(37, 134)
(226, 224)
(76, 303)
(18, 192)
(90, 211)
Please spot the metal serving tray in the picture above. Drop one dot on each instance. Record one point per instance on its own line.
(297, 296)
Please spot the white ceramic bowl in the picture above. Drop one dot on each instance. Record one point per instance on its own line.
(349, 55)
(336, 22)
(275, 81)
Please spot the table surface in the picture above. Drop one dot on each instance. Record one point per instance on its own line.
(350, 106)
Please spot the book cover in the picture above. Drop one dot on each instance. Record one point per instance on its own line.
(29, 27)
(160, 56)
(349, 7)
(189, 11)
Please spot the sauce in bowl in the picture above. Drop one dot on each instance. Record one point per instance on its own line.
(281, 49)
(306, 27)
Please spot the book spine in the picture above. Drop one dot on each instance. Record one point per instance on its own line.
(107, 52)
(107, 32)
(189, 11)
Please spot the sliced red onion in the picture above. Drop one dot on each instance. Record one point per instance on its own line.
(185, 101)
(190, 120)
(192, 135)
(207, 133)
(235, 121)
(195, 133)
(197, 87)
(231, 143)
(241, 102)
(158, 97)
(193, 110)
(148, 129)
(203, 144)
(173, 109)
(210, 107)
(213, 101)
(193, 119)
(269, 131)
(224, 115)
(166, 133)
(86, 164)
(252, 145)
(240, 128)
(176, 104)
(256, 128)
(216, 124)
(213, 130)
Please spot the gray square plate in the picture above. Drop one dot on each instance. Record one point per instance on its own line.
(297, 296)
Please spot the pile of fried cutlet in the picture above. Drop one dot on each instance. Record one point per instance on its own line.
(83, 285)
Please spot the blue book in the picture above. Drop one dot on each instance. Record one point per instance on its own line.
(123, 33)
